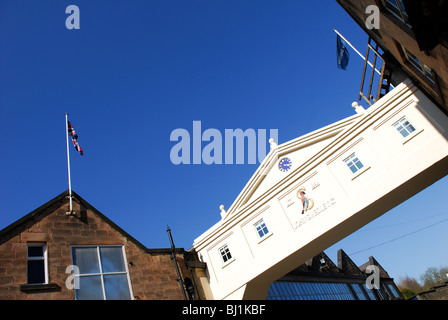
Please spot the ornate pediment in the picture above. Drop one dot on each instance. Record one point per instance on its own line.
(286, 160)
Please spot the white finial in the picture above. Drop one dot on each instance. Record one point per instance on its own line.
(223, 211)
(272, 143)
(358, 108)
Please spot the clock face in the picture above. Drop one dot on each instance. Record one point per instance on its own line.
(285, 164)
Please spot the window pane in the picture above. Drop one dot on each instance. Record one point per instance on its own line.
(270, 294)
(89, 288)
(409, 127)
(414, 60)
(393, 290)
(37, 251)
(358, 164)
(116, 287)
(265, 229)
(393, 6)
(296, 288)
(36, 271)
(404, 132)
(86, 259)
(369, 292)
(403, 9)
(352, 167)
(428, 73)
(274, 289)
(112, 259)
(305, 288)
(393, 2)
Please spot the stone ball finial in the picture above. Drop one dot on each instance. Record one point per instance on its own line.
(273, 143)
(223, 211)
(358, 108)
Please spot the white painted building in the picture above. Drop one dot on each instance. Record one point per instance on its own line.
(351, 171)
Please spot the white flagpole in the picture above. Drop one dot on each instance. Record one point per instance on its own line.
(359, 53)
(68, 166)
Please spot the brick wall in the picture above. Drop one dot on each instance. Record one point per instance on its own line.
(152, 272)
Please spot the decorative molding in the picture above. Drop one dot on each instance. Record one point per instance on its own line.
(344, 150)
(394, 114)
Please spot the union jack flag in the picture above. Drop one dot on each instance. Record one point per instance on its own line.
(74, 136)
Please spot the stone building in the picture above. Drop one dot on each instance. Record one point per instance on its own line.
(49, 255)
(413, 36)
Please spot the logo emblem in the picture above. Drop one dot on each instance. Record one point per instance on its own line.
(307, 203)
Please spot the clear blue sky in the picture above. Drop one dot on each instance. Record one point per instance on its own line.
(137, 70)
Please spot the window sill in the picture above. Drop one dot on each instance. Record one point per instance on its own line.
(265, 237)
(357, 174)
(227, 263)
(34, 288)
(412, 136)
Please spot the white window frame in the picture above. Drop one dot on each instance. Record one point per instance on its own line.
(351, 159)
(401, 123)
(101, 273)
(221, 251)
(265, 235)
(44, 257)
(411, 135)
(359, 171)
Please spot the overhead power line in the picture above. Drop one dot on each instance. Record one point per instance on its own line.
(402, 223)
(400, 237)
